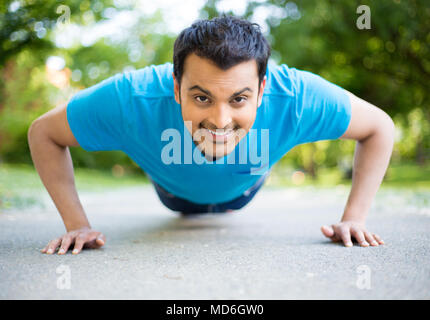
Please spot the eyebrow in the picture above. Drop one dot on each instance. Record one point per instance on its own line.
(209, 93)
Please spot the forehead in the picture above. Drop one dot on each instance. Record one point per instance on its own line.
(201, 71)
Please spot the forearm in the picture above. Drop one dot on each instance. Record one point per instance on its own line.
(55, 168)
(371, 159)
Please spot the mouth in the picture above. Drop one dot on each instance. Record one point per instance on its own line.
(219, 135)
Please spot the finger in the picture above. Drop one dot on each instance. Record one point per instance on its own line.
(53, 245)
(346, 237)
(101, 240)
(331, 232)
(79, 243)
(95, 241)
(46, 247)
(371, 239)
(337, 231)
(378, 238)
(359, 237)
(327, 231)
(65, 244)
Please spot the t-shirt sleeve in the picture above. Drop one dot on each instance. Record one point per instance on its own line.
(323, 109)
(95, 114)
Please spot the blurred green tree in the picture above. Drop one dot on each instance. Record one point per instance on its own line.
(24, 24)
(29, 90)
(387, 65)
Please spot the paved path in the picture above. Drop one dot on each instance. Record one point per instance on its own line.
(272, 249)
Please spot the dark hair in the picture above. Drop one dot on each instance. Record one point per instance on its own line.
(225, 40)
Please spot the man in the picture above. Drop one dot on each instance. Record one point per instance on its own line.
(219, 92)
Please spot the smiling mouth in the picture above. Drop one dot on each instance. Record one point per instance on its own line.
(218, 135)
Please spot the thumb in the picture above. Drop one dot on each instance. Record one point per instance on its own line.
(100, 241)
(327, 231)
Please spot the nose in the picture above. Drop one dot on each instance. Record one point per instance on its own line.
(221, 116)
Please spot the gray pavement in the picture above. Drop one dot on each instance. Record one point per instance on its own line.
(271, 249)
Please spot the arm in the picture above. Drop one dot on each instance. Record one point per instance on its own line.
(49, 137)
(373, 130)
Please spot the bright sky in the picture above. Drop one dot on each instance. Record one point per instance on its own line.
(178, 14)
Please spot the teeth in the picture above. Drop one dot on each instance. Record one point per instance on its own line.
(219, 133)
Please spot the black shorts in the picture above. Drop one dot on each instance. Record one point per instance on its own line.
(182, 205)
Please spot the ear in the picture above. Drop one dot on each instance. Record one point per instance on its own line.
(260, 93)
(176, 89)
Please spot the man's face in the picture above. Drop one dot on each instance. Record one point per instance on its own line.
(221, 105)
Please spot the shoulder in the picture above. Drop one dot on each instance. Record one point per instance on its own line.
(281, 80)
(287, 81)
(154, 81)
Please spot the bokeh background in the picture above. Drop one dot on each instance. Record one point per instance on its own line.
(51, 49)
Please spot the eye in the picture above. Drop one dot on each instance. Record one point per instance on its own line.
(239, 99)
(202, 99)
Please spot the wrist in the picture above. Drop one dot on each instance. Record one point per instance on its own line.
(354, 216)
(76, 225)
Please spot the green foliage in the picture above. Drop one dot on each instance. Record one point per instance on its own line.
(412, 129)
(22, 102)
(26, 93)
(20, 185)
(388, 65)
(25, 24)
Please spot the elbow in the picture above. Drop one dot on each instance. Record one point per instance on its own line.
(388, 130)
(391, 127)
(383, 130)
(387, 125)
(390, 123)
(31, 130)
(34, 131)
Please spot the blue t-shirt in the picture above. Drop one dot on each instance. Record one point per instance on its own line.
(136, 112)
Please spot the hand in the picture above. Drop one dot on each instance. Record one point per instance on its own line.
(84, 237)
(343, 231)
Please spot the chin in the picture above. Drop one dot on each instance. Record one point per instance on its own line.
(216, 152)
